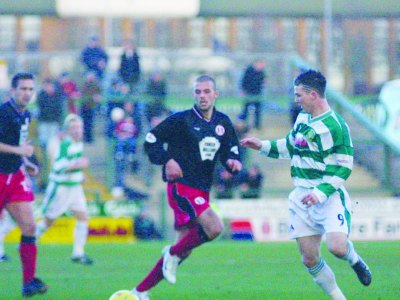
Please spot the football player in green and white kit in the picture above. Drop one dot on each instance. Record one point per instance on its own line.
(64, 191)
(321, 153)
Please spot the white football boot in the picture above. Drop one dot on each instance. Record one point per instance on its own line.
(141, 295)
(170, 265)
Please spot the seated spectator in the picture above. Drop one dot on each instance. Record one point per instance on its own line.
(145, 229)
(251, 183)
(225, 184)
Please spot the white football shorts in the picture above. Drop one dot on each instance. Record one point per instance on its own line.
(334, 215)
(62, 198)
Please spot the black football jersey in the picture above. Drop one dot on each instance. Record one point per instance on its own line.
(14, 126)
(195, 143)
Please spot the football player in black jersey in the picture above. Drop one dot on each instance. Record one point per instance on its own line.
(15, 188)
(196, 139)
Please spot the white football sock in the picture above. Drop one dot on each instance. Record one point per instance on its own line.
(80, 237)
(6, 224)
(351, 256)
(324, 277)
(41, 228)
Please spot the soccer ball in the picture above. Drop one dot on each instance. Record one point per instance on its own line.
(117, 114)
(123, 295)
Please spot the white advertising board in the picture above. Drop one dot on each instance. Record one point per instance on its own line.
(372, 219)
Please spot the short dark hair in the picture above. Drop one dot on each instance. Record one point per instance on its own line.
(20, 76)
(312, 80)
(204, 78)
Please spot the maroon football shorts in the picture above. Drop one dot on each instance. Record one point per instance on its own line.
(187, 203)
(15, 187)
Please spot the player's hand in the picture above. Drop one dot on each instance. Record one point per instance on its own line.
(173, 170)
(32, 170)
(251, 142)
(310, 200)
(30, 167)
(25, 150)
(234, 165)
(83, 162)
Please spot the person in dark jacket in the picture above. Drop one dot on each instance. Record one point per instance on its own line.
(130, 66)
(252, 86)
(94, 57)
(51, 106)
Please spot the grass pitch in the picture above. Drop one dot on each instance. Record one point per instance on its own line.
(218, 270)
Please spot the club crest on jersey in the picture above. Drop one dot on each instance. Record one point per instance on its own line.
(220, 130)
(300, 141)
(199, 200)
(310, 135)
(151, 138)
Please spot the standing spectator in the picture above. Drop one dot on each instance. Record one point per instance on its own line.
(91, 97)
(321, 153)
(130, 66)
(64, 192)
(242, 131)
(197, 139)
(156, 91)
(252, 85)
(94, 57)
(16, 194)
(51, 104)
(70, 90)
(126, 133)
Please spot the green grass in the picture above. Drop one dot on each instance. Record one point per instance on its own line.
(219, 270)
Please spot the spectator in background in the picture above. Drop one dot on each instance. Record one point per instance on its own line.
(91, 97)
(252, 181)
(252, 85)
(145, 229)
(294, 108)
(94, 57)
(242, 131)
(70, 90)
(225, 184)
(125, 133)
(51, 104)
(156, 90)
(130, 66)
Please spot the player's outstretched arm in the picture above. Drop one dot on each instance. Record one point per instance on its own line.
(251, 142)
(23, 150)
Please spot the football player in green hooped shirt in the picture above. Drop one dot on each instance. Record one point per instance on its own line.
(321, 153)
(65, 191)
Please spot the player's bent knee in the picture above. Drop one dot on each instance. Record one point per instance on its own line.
(215, 231)
(28, 229)
(338, 251)
(310, 262)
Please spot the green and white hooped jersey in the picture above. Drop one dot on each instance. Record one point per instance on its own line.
(321, 152)
(68, 153)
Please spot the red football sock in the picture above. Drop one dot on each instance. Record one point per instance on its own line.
(194, 238)
(154, 277)
(27, 253)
